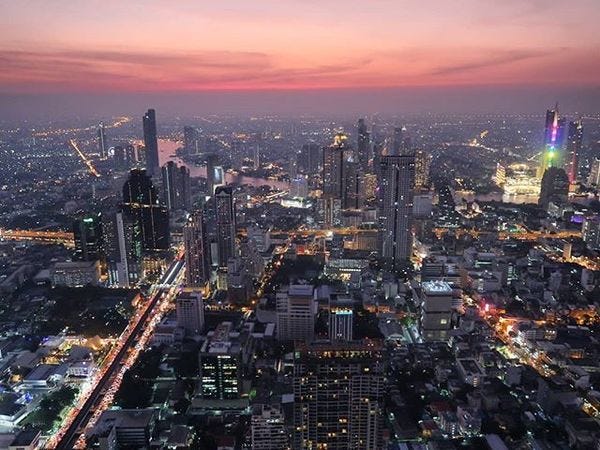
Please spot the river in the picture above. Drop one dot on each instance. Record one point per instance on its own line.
(166, 152)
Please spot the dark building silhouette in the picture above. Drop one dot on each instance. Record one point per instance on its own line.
(141, 202)
(102, 144)
(191, 140)
(151, 142)
(396, 207)
(338, 396)
(309, 159)
(574, 143)
(225, 224)
(554, 188)
(89, 238)
(176, 186)
(363, 145)
(197, 254)
(212, 160)
(401, 143)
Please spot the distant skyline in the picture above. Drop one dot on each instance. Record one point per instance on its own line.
(157, 47)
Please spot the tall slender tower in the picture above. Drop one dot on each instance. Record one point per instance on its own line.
(574, 143)
(553, 141)
(396, 207)
(196, 251)
(363, 145)
(102, 144)
(226, 224)
(151, 142)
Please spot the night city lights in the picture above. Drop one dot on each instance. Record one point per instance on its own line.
(297, 225)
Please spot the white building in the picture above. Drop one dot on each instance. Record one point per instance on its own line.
(190, 312)
(268, 429)
(436, 310)
(340, 323)
(295, 308)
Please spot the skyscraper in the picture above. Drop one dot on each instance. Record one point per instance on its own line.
(141, 202)
(211, 162)
(309, 160)
(341, 174)
(189, 308)
(176, 186)
(124, 249)
(197, 256)
(401, 141)
(436, 310)
(151, 142)
(554, 187)
(594, 175)
(553, 141)
(340, 323)
(268, 431)
(221, 365)
(422, 165)
(363, 145)
(102, 144)
(295, 310)
(226, 224)
(89, 238)
(396, 207)
(338, 396)
(574, 143)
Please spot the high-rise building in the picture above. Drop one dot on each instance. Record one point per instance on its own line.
(436, 310)
(309, 160)
(89, 238)
(554, 187)
(342, 174)
(590, 232)
(226, 224)
(338, 396)
(191, 138)
(574, 143)
(396, 207)
(124, 249)
(340, 323)
(554, 131)
(594, 176)
(401, 142)
(299, 187)
(268, 431)
(151, 142)
(363, 145)
(176, 186)
(141, 202)
(102, 144)
(295, 310)
(189, 308)
(212, 161)
(197, 254)
(422, 165)
(221, 365)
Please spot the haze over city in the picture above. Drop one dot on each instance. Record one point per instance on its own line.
(299, 225)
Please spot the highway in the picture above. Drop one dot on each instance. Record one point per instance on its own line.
(134, 338)
(91, 169)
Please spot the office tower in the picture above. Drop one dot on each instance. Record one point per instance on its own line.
(553, 141)
(124, 249)
(151, 142)
(176, 186)
(89, 238)
(401, 143)
(436, 310)
(422, 165)
(353, 185)
(268, 431)
(590, 232)
(191, 137)
(333, 167)
(574, 143)
(141, 202)
(309, 160)
(295, 310)
(299, 187)
(211, 162)
(396, 207)
(189, 308)
(226, 224)
(220, 365)
(197, 255)
(363, 145)
(102, 144)
(329, 212)
(554, 187)
(340, 323)
(338, 396)
(594, 176)
(256, 156)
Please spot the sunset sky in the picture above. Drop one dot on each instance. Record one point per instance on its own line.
(179, 45)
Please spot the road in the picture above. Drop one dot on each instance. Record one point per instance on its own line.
(133, 338)
(39, 237)
(91, 169)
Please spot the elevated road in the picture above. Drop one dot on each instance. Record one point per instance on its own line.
(92, 403)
